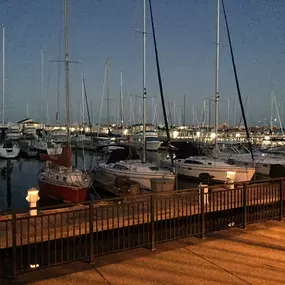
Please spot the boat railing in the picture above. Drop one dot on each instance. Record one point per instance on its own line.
(82, 179)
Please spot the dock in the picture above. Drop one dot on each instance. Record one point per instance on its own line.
(121, 186)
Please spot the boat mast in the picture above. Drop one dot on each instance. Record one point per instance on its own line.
(107, 87)
(174, 112)
(121, 101)
(277, 112)
(3, 74)
(184, 111)
(217, 75)
(58, 89)
(229, 106)
(144, 79)
(86, 102)
(271, 112)
(42, 108)
(67, 81)
(82, 102)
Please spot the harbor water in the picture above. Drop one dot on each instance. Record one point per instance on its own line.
(23, 176)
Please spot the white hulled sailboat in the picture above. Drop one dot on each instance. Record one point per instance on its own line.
(212, 167)
(139, 170)
(8, 148)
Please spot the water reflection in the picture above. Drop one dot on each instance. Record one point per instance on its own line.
(24, 176)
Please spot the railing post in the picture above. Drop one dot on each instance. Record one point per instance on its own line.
(152, 223)
(281, 199)
(244, 205)
(14, 244)
(91, 230)
(202, 212)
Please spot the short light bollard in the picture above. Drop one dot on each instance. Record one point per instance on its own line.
(206, 196)
(33, 198)
(231, 179)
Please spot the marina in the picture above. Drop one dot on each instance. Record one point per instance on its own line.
(151, 159)
(24, 171)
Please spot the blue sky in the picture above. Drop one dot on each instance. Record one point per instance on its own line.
(185, 34)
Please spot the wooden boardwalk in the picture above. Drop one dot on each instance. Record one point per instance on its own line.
(113, 214)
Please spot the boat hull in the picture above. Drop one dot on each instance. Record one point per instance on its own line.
(9, 153)
(62, 192)
(13, 136)
(144, 179)
(46, 157)
(218, 174)
(262, 164)
(153, 145)
(150, 145)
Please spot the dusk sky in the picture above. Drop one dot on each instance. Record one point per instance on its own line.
(186, 43)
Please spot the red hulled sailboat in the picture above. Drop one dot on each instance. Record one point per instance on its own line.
(57, 178)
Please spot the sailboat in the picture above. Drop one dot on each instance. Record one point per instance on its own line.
(57, 178)
(139, 170)
(212, 168)
(8, 148)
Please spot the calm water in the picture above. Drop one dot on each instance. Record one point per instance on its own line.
(24, 176)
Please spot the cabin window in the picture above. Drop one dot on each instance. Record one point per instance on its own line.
(154, 168)
(120, 167)
(64, 178)
(228, 149)
(151, 139)
(192, 161)
(242, 149)
(231, 161)
(209, 163)
(57, 177)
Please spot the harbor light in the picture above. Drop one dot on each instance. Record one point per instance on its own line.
(213, 135)
(87, 129)
(33, 198)
(175, 134)
(125, 132)
(231, 179)
(198, 134)
(238, 135)
(33, 266)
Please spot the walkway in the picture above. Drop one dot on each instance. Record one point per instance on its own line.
(255, 256)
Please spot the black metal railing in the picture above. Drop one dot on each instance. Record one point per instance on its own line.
(58, 235)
